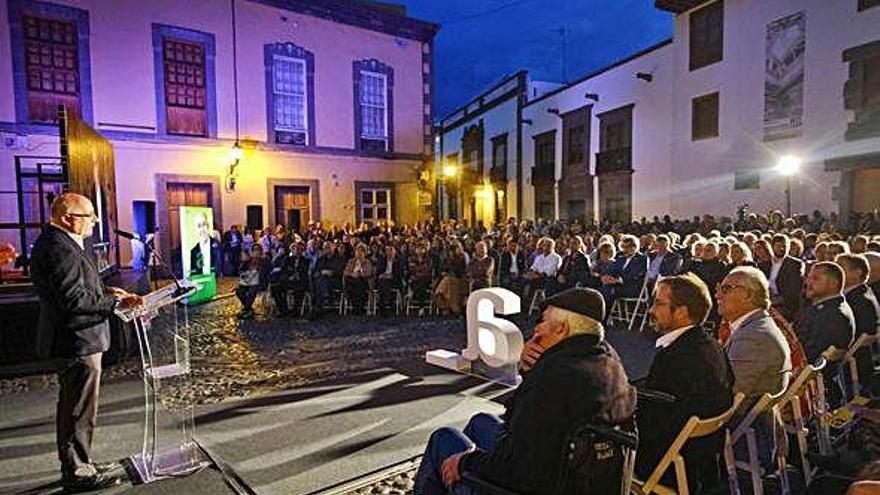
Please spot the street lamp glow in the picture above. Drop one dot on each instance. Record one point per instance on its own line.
(450, 171)
(236, 153)
(788, 165)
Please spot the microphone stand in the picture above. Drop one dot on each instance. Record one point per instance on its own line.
(160, 262)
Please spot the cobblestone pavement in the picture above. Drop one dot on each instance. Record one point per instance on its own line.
(232, 359)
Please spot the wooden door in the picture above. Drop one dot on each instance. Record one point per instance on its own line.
(289, 198)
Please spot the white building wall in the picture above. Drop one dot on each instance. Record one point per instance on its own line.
(703, 170)
(650, 137)
(499, 119)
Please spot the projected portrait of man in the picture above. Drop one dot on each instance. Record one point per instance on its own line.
(200, 254)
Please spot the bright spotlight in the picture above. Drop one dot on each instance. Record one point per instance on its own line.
(788, 165)
(450, 171)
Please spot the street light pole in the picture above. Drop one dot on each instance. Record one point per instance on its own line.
(788, 165)
(788, 196)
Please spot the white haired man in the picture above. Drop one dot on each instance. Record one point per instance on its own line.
(574, 377)
(757, 349)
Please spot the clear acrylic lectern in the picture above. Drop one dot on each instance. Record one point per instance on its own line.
(162, 327)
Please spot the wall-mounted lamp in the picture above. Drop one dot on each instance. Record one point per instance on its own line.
(592, 96)
(526, 121)
(554, 111)
(645, 76)
(236, 154)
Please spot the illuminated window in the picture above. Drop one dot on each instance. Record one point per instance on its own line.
(185, 88)
(374, 106)
(51, 55)
(289, 87)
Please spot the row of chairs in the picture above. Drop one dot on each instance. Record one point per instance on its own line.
(339, 301)
(801, 409)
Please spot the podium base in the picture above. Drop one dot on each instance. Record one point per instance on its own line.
(169, 461)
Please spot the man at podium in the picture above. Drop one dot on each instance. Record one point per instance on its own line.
(74, 308)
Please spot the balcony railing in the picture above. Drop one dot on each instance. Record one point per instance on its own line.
(543, 174)
(498, 174)
(618, 160)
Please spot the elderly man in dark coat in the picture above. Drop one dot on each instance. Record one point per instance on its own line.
(575, 377)
(691, 367)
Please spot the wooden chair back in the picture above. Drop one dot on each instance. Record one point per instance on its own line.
(693, 428)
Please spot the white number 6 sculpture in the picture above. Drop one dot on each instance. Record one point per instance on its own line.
(498, 342)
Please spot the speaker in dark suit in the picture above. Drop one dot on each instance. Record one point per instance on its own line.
(73, 327)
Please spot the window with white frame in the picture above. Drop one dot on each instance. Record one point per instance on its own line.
(289, 88)
(374, 105)
(375, 205)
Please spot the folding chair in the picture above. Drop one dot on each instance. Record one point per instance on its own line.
(620, 310)
(409, 301)
(264, 298)
(538, 298)
(599, 459)
(809, 386)
(745, 430)
(306, 303)
(693, 428)
(865, 341)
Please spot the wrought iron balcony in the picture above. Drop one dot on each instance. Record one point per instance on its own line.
(543, 174)
(618, 160)
(498, 174)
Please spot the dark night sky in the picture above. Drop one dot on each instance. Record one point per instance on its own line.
(481, 41)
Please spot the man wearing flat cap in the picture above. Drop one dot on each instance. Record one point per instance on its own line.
(573, 377)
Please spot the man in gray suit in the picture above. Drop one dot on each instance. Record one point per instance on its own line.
(757, 349)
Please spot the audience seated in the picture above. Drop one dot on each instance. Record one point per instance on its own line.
(575, 269)
(758, 352)
(863, 302)
(452, 287)
(253, 278)
(327, 276)
(575, 378)
(358, 277)
(390, 279)
(481, 269)
(627, 275)
(512, 266)
(547, 262)
(785, 274)
(661, 261)
(828, 320)
(692, 368)
(421, 275)
(290, 276)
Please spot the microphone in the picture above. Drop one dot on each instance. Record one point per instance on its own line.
(124, 233)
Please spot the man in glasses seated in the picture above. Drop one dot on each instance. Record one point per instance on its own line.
(691, 367)
(757, 349)
(74, 308)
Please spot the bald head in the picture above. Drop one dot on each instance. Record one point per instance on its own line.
(74, 213)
